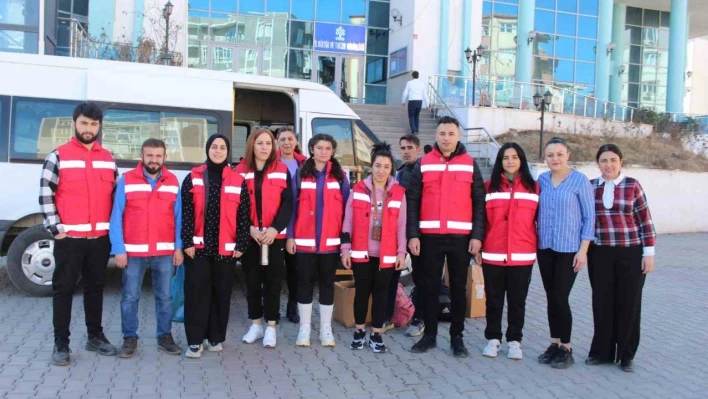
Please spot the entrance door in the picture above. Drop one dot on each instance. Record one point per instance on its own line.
(235, 59)
(342, 74)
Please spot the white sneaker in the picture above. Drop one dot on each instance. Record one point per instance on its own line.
(326, 335)
(194, 352)
(514, 350)
(269, 337)
(212, 348)
(303, 335)
(492, 348)
(255, 332)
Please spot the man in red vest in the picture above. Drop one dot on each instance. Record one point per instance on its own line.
(145, 232)
(76, 196)
(450, 226)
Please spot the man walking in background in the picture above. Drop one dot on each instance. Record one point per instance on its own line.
(417, 99)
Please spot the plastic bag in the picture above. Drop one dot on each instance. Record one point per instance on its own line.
(403, 308)
(178, 295)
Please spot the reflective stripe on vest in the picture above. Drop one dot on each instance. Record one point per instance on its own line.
(515, 257)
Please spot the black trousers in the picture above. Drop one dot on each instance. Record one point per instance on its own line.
(207, 298)
(414, 108)
(76, 257)
(262, 280)
(291, 276)
(514, 282)
(371, 281)
(316, 267)
(558, 279)
(433, 251)
(391, 292)
(617, 281)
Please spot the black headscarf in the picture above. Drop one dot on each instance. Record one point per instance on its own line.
(215, 169)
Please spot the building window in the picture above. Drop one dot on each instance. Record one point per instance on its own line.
(19, 26)
(399, 62)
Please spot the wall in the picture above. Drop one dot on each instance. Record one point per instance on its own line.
(671, 213)
(696, 100)
(500, 120)
(400, 37)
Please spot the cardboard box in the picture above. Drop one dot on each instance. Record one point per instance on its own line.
(344, 304)
(476, 299)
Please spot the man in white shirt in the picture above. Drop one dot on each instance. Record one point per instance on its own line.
(417, 99)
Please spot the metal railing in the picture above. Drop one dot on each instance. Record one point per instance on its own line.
(480, 144)
(493, 92)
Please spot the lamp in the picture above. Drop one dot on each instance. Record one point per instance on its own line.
(610, 48)
(473, 56)
(166, 12)
(397, 17)
(542, 102)
(532, 36)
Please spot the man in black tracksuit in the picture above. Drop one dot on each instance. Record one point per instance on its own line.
(445, 228)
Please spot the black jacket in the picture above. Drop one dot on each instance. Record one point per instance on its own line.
(414, 200)
(405, 172)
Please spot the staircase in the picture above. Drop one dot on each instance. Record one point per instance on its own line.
(390, 122)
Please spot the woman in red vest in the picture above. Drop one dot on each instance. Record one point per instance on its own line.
(289, 154)
(215, 224)
(509, 249)
(314, 233)
(374, 241)
(268, 182)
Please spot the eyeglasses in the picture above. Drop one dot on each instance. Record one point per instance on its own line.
(261, 127)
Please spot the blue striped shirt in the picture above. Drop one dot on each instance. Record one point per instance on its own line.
(566, 214)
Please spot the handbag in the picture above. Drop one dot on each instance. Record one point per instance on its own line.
(177, 291)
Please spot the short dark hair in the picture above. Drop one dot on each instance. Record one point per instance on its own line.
(89, 110)
(448, 119)
(415, 74)
(608, 148)
(410, 137)
(428, 148)
(154, 143)
(558, 140)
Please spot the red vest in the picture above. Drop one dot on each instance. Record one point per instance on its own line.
(84, 197)
(446, 202)
(230, 199)
(305, 225)
(274, 182)
(298, 157)
(361, 224)
(511, 225)
(149, 218)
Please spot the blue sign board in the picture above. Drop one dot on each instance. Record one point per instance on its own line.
(340, 38)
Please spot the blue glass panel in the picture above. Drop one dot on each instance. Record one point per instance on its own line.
(354, 12)
(304, 9)
(486, 9)
(587, 27)
(278, 6)
(251, 6)
(565, 47)
(378, 13)
(219, 5)
(545, 21)
(568, 5)
(328, 11)
(549, 4)
(564, 71)
(588, 7)
(566, 24)
(585, 73)
(544, 45)
(202, 4)
(586, 50)
(505, 9)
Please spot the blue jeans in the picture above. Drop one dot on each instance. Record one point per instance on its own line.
(162, 270)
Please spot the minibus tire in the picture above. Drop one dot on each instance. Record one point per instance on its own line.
(35, 240)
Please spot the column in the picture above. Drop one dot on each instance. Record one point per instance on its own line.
(678, 39)
(443, 46)
(618, 23)
(602, 59)
(466, 35)
(524, 49)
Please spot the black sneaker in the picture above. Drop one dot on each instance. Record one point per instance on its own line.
(100, 344)
(458, 347)
(594, 361)
(376, 343)
(425, 343)
(359, 340)
(292, 313)
(547, 356)
(563, 358)
(167, 344)
(60, 356)
(627, 365)
(130, 345)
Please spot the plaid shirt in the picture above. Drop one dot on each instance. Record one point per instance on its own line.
(628, 222)
(48, 185)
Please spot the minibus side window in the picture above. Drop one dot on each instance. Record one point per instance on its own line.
(39, 126)
(341, 130)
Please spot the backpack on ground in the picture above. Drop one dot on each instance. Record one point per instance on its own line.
(445, 312)
(403, 309)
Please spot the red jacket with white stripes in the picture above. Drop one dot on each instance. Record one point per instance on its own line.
(274, 182)
(361, 224)
(298, 157)
(84, 197)
(511, 225)
(230, 199)
(305, 225)
(149, 219)
(446, 204)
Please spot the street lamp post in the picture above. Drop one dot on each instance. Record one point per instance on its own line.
(472, 58)
(541, 103)
(166, 12)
